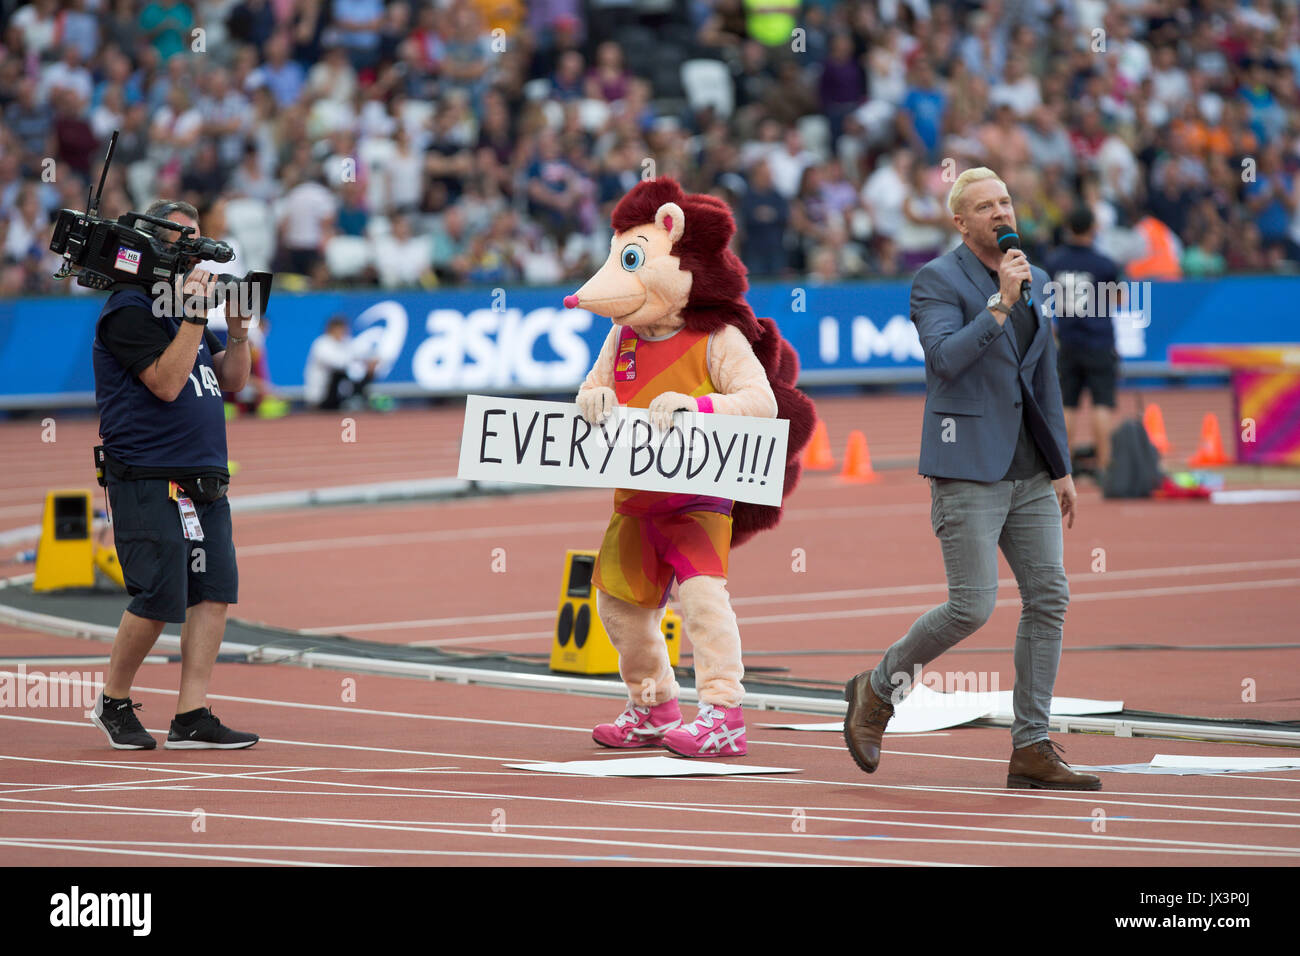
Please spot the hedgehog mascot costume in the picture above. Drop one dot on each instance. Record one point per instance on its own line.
(684, 339)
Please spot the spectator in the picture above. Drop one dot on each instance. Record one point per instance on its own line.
(1047, 141)
(764, 215)
(353, 215)
(1204, 257)
(402, 258)
(467, 65)
(1019, 89)
(555, 188)
(167, 26)
(843, 84)
(74, 140)
(923, 109)
(403, 174)
(450, 240)
(884, 192)
(28, 226)
(333, 78)
(357, 24)
(923, 230)
(304, 221)
(69, 74)
(252, 22)
(787, 164)
(37, 25)
(608, 80)
(567, 82)
(1271, 201)
(29, 121)
(281, 75)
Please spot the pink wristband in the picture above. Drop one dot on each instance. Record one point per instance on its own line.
(704, 403)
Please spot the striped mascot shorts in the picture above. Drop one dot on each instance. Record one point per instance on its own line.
(641, 554)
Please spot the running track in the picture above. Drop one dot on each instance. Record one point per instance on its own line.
(413, 772)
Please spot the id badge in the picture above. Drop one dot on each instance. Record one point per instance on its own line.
(189, 519)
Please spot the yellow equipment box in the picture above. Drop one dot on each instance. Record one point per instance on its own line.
(65, 557)
(581, 645)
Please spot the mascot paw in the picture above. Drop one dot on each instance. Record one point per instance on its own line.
(663, 407)
(597, 404)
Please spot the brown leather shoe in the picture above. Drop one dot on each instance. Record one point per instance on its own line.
(1040, 767)
(864, 724)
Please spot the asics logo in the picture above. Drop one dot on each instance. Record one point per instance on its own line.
(650, 730)
(722, 738)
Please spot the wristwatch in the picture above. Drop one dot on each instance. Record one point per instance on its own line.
(194, 319)
(995, 304)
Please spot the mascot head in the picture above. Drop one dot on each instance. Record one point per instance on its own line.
(670, 264)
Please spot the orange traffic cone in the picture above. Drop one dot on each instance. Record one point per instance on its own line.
(1210, 451)
(857, 461)
(1154, 421)
(817, 455)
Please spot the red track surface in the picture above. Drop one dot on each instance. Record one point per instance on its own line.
(413, 772)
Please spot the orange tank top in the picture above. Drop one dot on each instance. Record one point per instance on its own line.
(643, 370)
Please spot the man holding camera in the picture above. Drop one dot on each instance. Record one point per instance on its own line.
(159, 378)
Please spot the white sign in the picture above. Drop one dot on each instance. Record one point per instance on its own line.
(549, 443)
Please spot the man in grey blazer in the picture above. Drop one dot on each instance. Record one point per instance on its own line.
(993, 446)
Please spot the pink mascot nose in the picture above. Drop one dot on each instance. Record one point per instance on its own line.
(571, 301)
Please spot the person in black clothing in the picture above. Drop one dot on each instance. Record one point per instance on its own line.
(1087, 359)
(159, 378)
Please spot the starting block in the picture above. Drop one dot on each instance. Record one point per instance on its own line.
(581, 645)
(68, 555)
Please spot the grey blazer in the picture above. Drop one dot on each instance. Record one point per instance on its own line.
(973, 371)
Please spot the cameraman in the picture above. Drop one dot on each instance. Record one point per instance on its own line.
(158, 384)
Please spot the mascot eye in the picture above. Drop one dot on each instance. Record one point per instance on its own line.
(632, 258)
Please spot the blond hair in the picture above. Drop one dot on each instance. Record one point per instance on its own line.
(975, 175)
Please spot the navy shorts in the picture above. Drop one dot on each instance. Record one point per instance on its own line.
(1093, 369)
(165, 573)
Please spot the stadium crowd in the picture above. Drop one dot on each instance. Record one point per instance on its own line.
(484, 141)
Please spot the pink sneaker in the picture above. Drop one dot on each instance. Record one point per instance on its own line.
(715, 732)
(639, 726)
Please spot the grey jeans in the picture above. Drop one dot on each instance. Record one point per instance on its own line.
(972, 520)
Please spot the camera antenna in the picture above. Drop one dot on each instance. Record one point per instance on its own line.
(92, 202)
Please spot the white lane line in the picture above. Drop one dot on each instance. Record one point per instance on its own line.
(437, 622)
(529, 530)
(476, 854)
(668, 806)
(178, 856)
(463, 756)
(541, 636)
(334, 708)
(507, 835)
(836, 595)
(852, 613)
(785, 812)
(506, 532)
(1092, 798)
(1090, 841)
(561, 831)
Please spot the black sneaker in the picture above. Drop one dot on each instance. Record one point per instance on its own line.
(116, 718)
(207, 733)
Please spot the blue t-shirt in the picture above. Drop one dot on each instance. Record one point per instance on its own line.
(185, 437)
(927, 108)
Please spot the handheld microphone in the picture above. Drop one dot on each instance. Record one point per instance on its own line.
(1008, 238)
